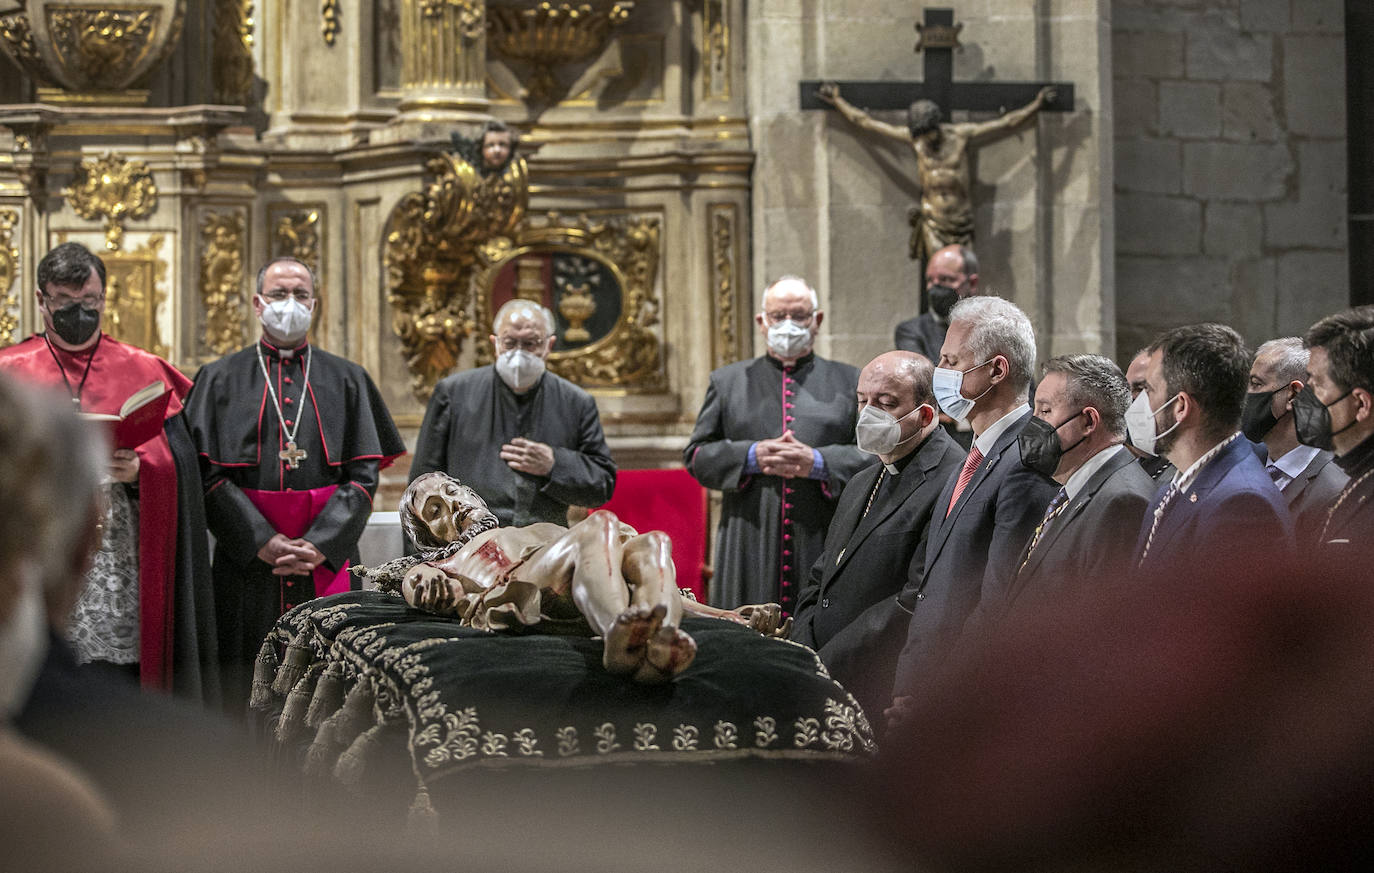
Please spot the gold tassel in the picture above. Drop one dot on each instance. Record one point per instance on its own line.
(264, 666)
(292, 723)
(422, 820)
(329, 695)
(353, 762)
(298, 658)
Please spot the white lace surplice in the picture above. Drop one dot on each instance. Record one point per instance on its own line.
(104, 625)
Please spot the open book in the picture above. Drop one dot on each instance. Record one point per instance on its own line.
(139, 419)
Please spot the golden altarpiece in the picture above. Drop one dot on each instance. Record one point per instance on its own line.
(189, 140)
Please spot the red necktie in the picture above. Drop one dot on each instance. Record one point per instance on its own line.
(971, 463)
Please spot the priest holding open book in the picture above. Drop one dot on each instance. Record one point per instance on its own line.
(292, 442)
(146, 608)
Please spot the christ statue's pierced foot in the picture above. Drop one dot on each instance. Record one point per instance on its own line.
(640, 645)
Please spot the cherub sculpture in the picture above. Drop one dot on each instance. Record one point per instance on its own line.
(600, 574)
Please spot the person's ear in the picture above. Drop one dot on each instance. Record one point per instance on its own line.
(1093, 420)
(1364, 404)
(548, 347)
(1294, 389)
(816, 323)
(758, 319)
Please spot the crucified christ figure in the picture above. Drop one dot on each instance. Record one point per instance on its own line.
(600, 572)
(945, 216)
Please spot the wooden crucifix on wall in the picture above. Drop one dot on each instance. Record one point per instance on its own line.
(945, 214)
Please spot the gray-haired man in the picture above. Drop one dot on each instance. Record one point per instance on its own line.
(1305, 475)
(528, 441)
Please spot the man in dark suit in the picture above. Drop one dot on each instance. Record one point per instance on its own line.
(1221, 508)
(1336, 411)
(986, 513)
(1158, 467)
(1305, 474)
(1087, 536)
(951, 275)
(876, 543)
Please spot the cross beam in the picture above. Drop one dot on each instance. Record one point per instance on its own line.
(939, 85)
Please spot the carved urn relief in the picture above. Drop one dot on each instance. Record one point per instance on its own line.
(92, 51)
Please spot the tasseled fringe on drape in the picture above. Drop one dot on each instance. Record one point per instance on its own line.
(422, 820)
(264, 668)
(298, 658)
(292, 725)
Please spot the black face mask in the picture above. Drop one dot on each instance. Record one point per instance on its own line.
(1312, 419)
(1257, 417)
(75, 323)
(1039, 444)
(942, 299)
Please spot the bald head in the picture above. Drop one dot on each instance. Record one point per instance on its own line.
(907, 372)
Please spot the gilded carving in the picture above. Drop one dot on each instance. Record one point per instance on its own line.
(297, 233)
(630, 355)
(329, 20)
(547, 35)
(715, 50)
(723, 269)
(9, 272)
(134, 290)
(18, 36)
(434, 241)
(113, 188)
(469, 12)
(102, 44)
(233, 51)
(223, 240)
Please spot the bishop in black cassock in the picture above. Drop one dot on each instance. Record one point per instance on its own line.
(308, 472)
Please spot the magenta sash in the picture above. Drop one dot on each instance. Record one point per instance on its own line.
(292, 513)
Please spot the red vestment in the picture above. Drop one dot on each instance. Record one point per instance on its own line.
(116, 371)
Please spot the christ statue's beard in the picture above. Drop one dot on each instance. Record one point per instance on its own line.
(483, 524)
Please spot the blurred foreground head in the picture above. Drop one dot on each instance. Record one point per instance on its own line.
(49, 492)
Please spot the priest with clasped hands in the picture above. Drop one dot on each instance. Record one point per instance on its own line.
(292, 441)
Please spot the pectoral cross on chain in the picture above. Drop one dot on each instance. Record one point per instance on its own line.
(292, 455)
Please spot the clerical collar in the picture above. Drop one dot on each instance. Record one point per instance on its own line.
(795, 365)
(283, 354)
(896, 467)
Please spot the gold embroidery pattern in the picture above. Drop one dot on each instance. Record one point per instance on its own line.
(223, 236)
(685, 737)
(9, 271)
(765, 731)
(645, 734)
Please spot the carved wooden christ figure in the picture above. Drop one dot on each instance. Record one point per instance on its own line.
(599, 574)
(945, 214)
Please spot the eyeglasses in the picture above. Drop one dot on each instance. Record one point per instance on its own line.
(278, 295)
(797, 315)
(58, 301)
(533, 346)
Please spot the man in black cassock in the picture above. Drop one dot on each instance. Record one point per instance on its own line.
(776, 435)
(528, 441)
(292, 441)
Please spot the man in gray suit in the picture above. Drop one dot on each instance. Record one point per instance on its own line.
(986, 513)
(1087, 535)
(876, 544)
(1305, 475)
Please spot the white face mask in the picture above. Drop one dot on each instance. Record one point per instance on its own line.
(948, 387)
(788, 340)
(1140, 423)
(519, 369)
(288, 319)
(23, 643)
(878, 433)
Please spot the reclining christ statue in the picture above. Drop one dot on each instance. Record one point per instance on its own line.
(600, 573)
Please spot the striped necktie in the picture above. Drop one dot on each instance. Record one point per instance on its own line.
(971, 463)
(1056, 506)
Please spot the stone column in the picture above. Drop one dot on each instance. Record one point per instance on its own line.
(444, 47)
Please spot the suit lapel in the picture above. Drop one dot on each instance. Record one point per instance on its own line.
(910, 479)
(1184, 506)
(985, 469)
(844, 528)
(1075, 508)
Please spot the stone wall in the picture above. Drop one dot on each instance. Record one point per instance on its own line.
(830, 202)
(1230, 165)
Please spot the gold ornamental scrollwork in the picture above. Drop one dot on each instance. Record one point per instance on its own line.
(723, 271)
(434, 241)
(296, 233)
(103, 44)
(134, 291)
(233, 52)
(630, 356)
(15, 31)
(9, 272)
(223, 239)
(115, 189)
(329, 20)
(715, 50)
(470, 14)
(547, 35)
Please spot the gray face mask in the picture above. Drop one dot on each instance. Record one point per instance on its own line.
(879, 433)
(787, 339)
(519, 369)
(288, 320)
